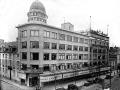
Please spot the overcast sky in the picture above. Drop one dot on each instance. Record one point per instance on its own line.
(78, 12)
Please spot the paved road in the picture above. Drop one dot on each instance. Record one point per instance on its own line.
(63, 83)
(116, 84)
(48, 86)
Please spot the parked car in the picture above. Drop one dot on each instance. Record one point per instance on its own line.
(60, 89)
(72, 87)
(108, 77)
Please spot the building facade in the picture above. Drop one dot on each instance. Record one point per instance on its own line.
(49, 53)
(99, 51)
(113, 58)
(9, 62)
(48, 50)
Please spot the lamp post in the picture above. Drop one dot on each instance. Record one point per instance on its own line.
(110, 75)
(55, 81)
(10, 68)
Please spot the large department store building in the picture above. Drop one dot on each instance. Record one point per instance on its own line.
(46, 52)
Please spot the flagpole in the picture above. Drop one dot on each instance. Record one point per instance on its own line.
(90, 23)
(107, 29)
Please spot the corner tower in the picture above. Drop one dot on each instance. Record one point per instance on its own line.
(37, 13)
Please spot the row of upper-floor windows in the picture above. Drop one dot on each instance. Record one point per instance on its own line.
(63, 66)
(55, 56)
(14, 64)
(37, 19)
(48, 45)
(96, 57)
(33, 33)
(60, 66)
(37, 14)
(33, 44)
(100, 50)
(54, 35)
(3, 55)
(65, 47)
(99, 42)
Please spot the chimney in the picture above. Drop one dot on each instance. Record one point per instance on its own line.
(67, 26)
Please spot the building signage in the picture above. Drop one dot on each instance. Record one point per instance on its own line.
(83, 72)
(50, 78)
(67, 75)
(22, 75)
(105, 68)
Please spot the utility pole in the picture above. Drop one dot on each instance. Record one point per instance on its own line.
(55, 80)
(90, 23)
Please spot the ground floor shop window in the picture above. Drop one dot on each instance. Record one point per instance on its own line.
(46, 67)
(33, 81)
(23, 81)
(34, 66)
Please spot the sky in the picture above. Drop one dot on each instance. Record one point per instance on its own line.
(77, 12)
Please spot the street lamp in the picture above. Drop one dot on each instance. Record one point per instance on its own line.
(10, 68)
(55, 80)
(110, 75)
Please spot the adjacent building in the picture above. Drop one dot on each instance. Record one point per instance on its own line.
(114, 57)
(99, 52)
(9, 62)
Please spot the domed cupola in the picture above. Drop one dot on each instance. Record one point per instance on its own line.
(37, 13)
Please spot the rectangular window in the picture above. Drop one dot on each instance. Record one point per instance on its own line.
(34, 33)
(53, 56)
(75, 39)
(46, 56)
(85, 56)
(86, 48)
(93, 41)
(61, 56)
(80, 48)
(80, 56)
(46, 34)
(86, 41)
(69, 47)
(34, 56)
(62, 36)
(34, 66)
(75, 56)
(24, 55)
(46, 45)
(53, 67)
(68, 56)
(54, 46)
(24, 66)
(69, 65)
(24, 44)
(81, 40)
(18, 65)
(54, 35)
(95, 50)
(34, 44)
(46, 67)
(24, 33)
(62, 46)
(69, 38)
(75, 48)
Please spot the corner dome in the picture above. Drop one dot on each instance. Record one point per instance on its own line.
(37, 13)
(37, 5)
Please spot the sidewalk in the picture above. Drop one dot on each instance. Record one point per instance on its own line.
(12, 85)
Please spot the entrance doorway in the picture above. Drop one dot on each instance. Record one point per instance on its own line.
(33, 81)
